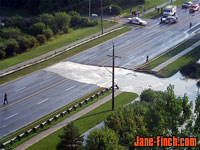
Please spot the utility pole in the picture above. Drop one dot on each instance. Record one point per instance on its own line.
(89, 7)
(113, 76)
(101, 17)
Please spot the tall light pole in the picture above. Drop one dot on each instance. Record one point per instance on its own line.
(89, 7)
(101, 17)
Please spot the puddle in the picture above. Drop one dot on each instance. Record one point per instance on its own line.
(127, 80)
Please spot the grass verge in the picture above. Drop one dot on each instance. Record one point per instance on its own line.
(57, 42)
(62, 57)
(174, 67)
(39, 121)
(86, 122)
(147, 5)
(155, 14)
(169, 54)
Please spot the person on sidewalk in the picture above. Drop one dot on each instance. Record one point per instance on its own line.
(5, 99)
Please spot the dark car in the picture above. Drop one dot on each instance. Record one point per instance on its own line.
(186, 4)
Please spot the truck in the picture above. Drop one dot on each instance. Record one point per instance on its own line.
(170, 10)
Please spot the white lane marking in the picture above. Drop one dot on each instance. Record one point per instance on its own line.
(11, 116)
(47, 77)
(70, 88)
(20, 89)
(43, 101)
(4, 126)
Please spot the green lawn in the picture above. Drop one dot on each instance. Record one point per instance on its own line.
(172, 52)
(59, 41)
(86, 122)
(61, 57)
(174, 67)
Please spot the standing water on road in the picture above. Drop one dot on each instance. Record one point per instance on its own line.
(127, 80)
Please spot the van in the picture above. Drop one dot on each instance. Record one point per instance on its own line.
(169, 11)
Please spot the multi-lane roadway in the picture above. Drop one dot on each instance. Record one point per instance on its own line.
(43, 92)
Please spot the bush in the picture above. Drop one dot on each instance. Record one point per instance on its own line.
(85, 22)
(2, 50)
(191, 71)
(41, 38)
(148, 96)
(26, 42)
(17, 22)
(115, 10)
(37, 28)
(48, 33)
(13, 33)
(62, 20)
(75, 21)
(11, 47)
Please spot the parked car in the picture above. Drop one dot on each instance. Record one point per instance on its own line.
(137, 20)
(193, 8)
(169, 19)
(186, 4)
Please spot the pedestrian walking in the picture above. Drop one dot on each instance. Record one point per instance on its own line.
(5, 99)
(147, 58)
(190, 25)
(144, 9)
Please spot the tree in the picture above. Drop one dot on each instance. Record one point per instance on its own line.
(7, 33)
(47, 19)
(17, 22)
(2, 50)
(48, 33)
(62, 20)
(41, 38)
(148, 95)
(197, 112)
(11, 47)
(37, 28)
(127, 124)
(104, 139)
(25, 42)
(115, 10)
(71, 139)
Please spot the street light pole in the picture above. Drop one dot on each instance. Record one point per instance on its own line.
(89, 7)
(101, 17)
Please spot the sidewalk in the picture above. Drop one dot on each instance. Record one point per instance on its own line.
(161, 66)
(64, 122)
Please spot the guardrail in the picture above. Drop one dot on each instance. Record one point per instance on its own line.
(55, 118)
(57, 53)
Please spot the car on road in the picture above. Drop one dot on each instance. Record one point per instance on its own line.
(187, 4)
(193, 8)
(169, 19)
(136, 20)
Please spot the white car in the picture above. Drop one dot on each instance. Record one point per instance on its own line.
(169, 19)
(137, 20)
